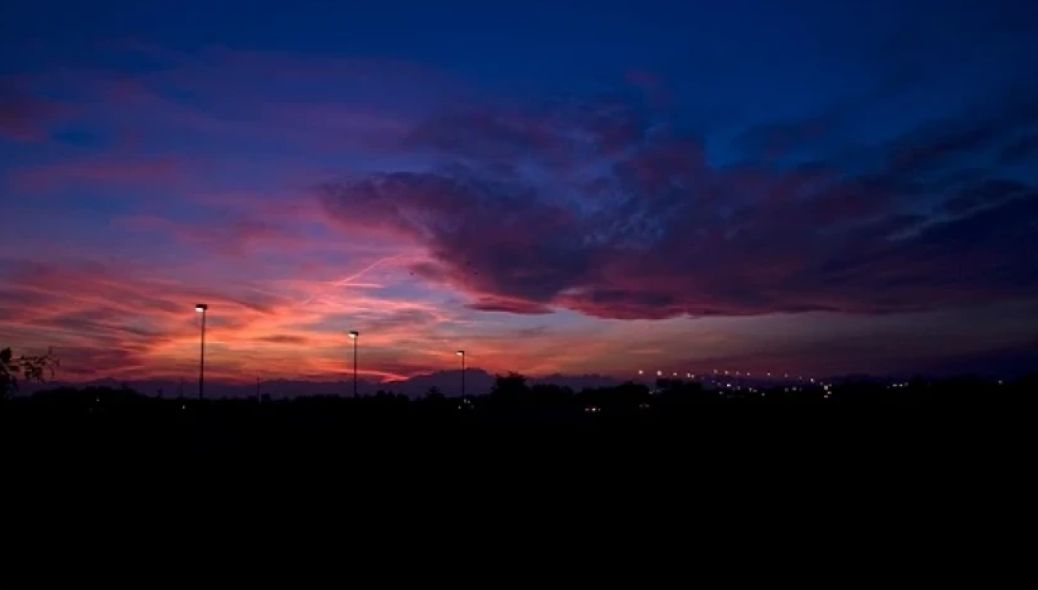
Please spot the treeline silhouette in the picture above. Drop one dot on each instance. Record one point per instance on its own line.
(512, 397)
(670, 416)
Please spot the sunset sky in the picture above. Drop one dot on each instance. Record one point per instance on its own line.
(815, 186)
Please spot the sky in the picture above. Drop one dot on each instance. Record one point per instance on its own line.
(555, 187)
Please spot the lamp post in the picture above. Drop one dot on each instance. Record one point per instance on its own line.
(461, 353)
(201, 308)
(353, 336)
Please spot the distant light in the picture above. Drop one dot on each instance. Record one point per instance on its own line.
(460, 353)
(200, 307)
(354, 334)
(641, 372)
(659, 373)
(674, 374)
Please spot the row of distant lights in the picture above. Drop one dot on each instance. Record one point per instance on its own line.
(827, 388)
(729, 374)
(726, 373)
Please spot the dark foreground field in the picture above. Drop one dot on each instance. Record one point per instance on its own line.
(676, 431)
(898, 471)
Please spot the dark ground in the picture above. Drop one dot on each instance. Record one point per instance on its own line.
(947, 466)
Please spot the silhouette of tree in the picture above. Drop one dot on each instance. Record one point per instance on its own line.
(29, 367)
(512, 385)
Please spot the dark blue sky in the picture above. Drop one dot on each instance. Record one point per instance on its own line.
(751, 183)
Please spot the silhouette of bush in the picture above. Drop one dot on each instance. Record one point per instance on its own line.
(28, 367)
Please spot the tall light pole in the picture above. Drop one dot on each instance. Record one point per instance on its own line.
(461, 353)
(201, 308)
(353, 336)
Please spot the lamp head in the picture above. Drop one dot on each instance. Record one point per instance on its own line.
(354, 334)
(460, 353)
(200, 307)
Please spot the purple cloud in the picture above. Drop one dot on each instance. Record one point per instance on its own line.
(649, 228)
(24, 116)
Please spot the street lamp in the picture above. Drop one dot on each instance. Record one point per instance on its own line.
(353, 336)
(461, 353)
(201, 308)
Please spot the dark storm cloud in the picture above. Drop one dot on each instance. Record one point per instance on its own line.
(650, 228)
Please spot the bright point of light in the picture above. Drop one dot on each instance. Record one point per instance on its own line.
(641, 372)
(659, 373)
(460, 353)
(354, 334)
(200, 307)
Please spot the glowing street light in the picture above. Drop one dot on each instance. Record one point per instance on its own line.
(353, 336)
(201, 308)
(461, 353)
